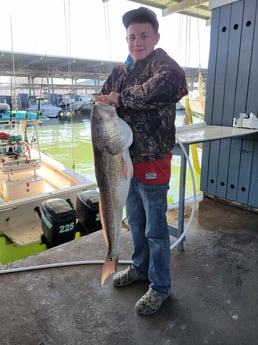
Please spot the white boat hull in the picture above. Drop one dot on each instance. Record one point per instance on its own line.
(23, 192)
(48, 110)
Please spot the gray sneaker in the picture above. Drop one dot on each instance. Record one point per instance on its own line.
(126, 277)
(150, 302)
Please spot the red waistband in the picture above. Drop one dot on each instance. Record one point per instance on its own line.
(154, 172)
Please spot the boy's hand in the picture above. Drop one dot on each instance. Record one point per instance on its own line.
(111, 99)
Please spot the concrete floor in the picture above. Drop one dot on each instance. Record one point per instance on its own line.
(214, 299)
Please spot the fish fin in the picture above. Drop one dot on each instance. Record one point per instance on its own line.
(125, 224)
(125, 168)
(109, 267)
(104, 231)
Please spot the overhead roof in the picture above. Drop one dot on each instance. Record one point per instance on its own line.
(42, 66)
(194, 8)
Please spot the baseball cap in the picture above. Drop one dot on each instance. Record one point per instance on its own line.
(141, 15)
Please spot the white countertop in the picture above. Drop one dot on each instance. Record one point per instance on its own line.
(200, 132)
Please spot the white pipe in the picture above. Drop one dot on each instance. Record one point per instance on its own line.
(59, 264)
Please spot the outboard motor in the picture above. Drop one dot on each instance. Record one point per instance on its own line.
(87, 210)
(58, 221)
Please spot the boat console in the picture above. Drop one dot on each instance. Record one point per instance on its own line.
(17, 165)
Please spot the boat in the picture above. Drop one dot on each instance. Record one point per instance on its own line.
(68, 100)
(28, 178)
(79, 105)
(43, 106)
(195, 100)
(82, 104)
(197, 106)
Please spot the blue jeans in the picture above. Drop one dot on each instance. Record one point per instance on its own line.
(146, 208)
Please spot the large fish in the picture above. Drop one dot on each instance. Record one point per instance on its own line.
(111, 138)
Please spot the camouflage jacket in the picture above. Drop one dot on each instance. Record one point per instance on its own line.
(147, 102)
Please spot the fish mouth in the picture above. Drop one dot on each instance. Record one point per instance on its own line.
(104, 106)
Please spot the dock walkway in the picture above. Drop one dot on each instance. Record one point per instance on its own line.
(214, 299)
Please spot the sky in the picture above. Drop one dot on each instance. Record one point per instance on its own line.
(92, 29)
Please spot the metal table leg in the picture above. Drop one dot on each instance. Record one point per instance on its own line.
(177, 231)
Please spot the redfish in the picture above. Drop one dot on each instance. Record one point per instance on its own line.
(111, 139)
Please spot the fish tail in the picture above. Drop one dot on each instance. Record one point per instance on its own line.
(109, 267)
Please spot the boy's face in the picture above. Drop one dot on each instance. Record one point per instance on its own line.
(141, 40)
